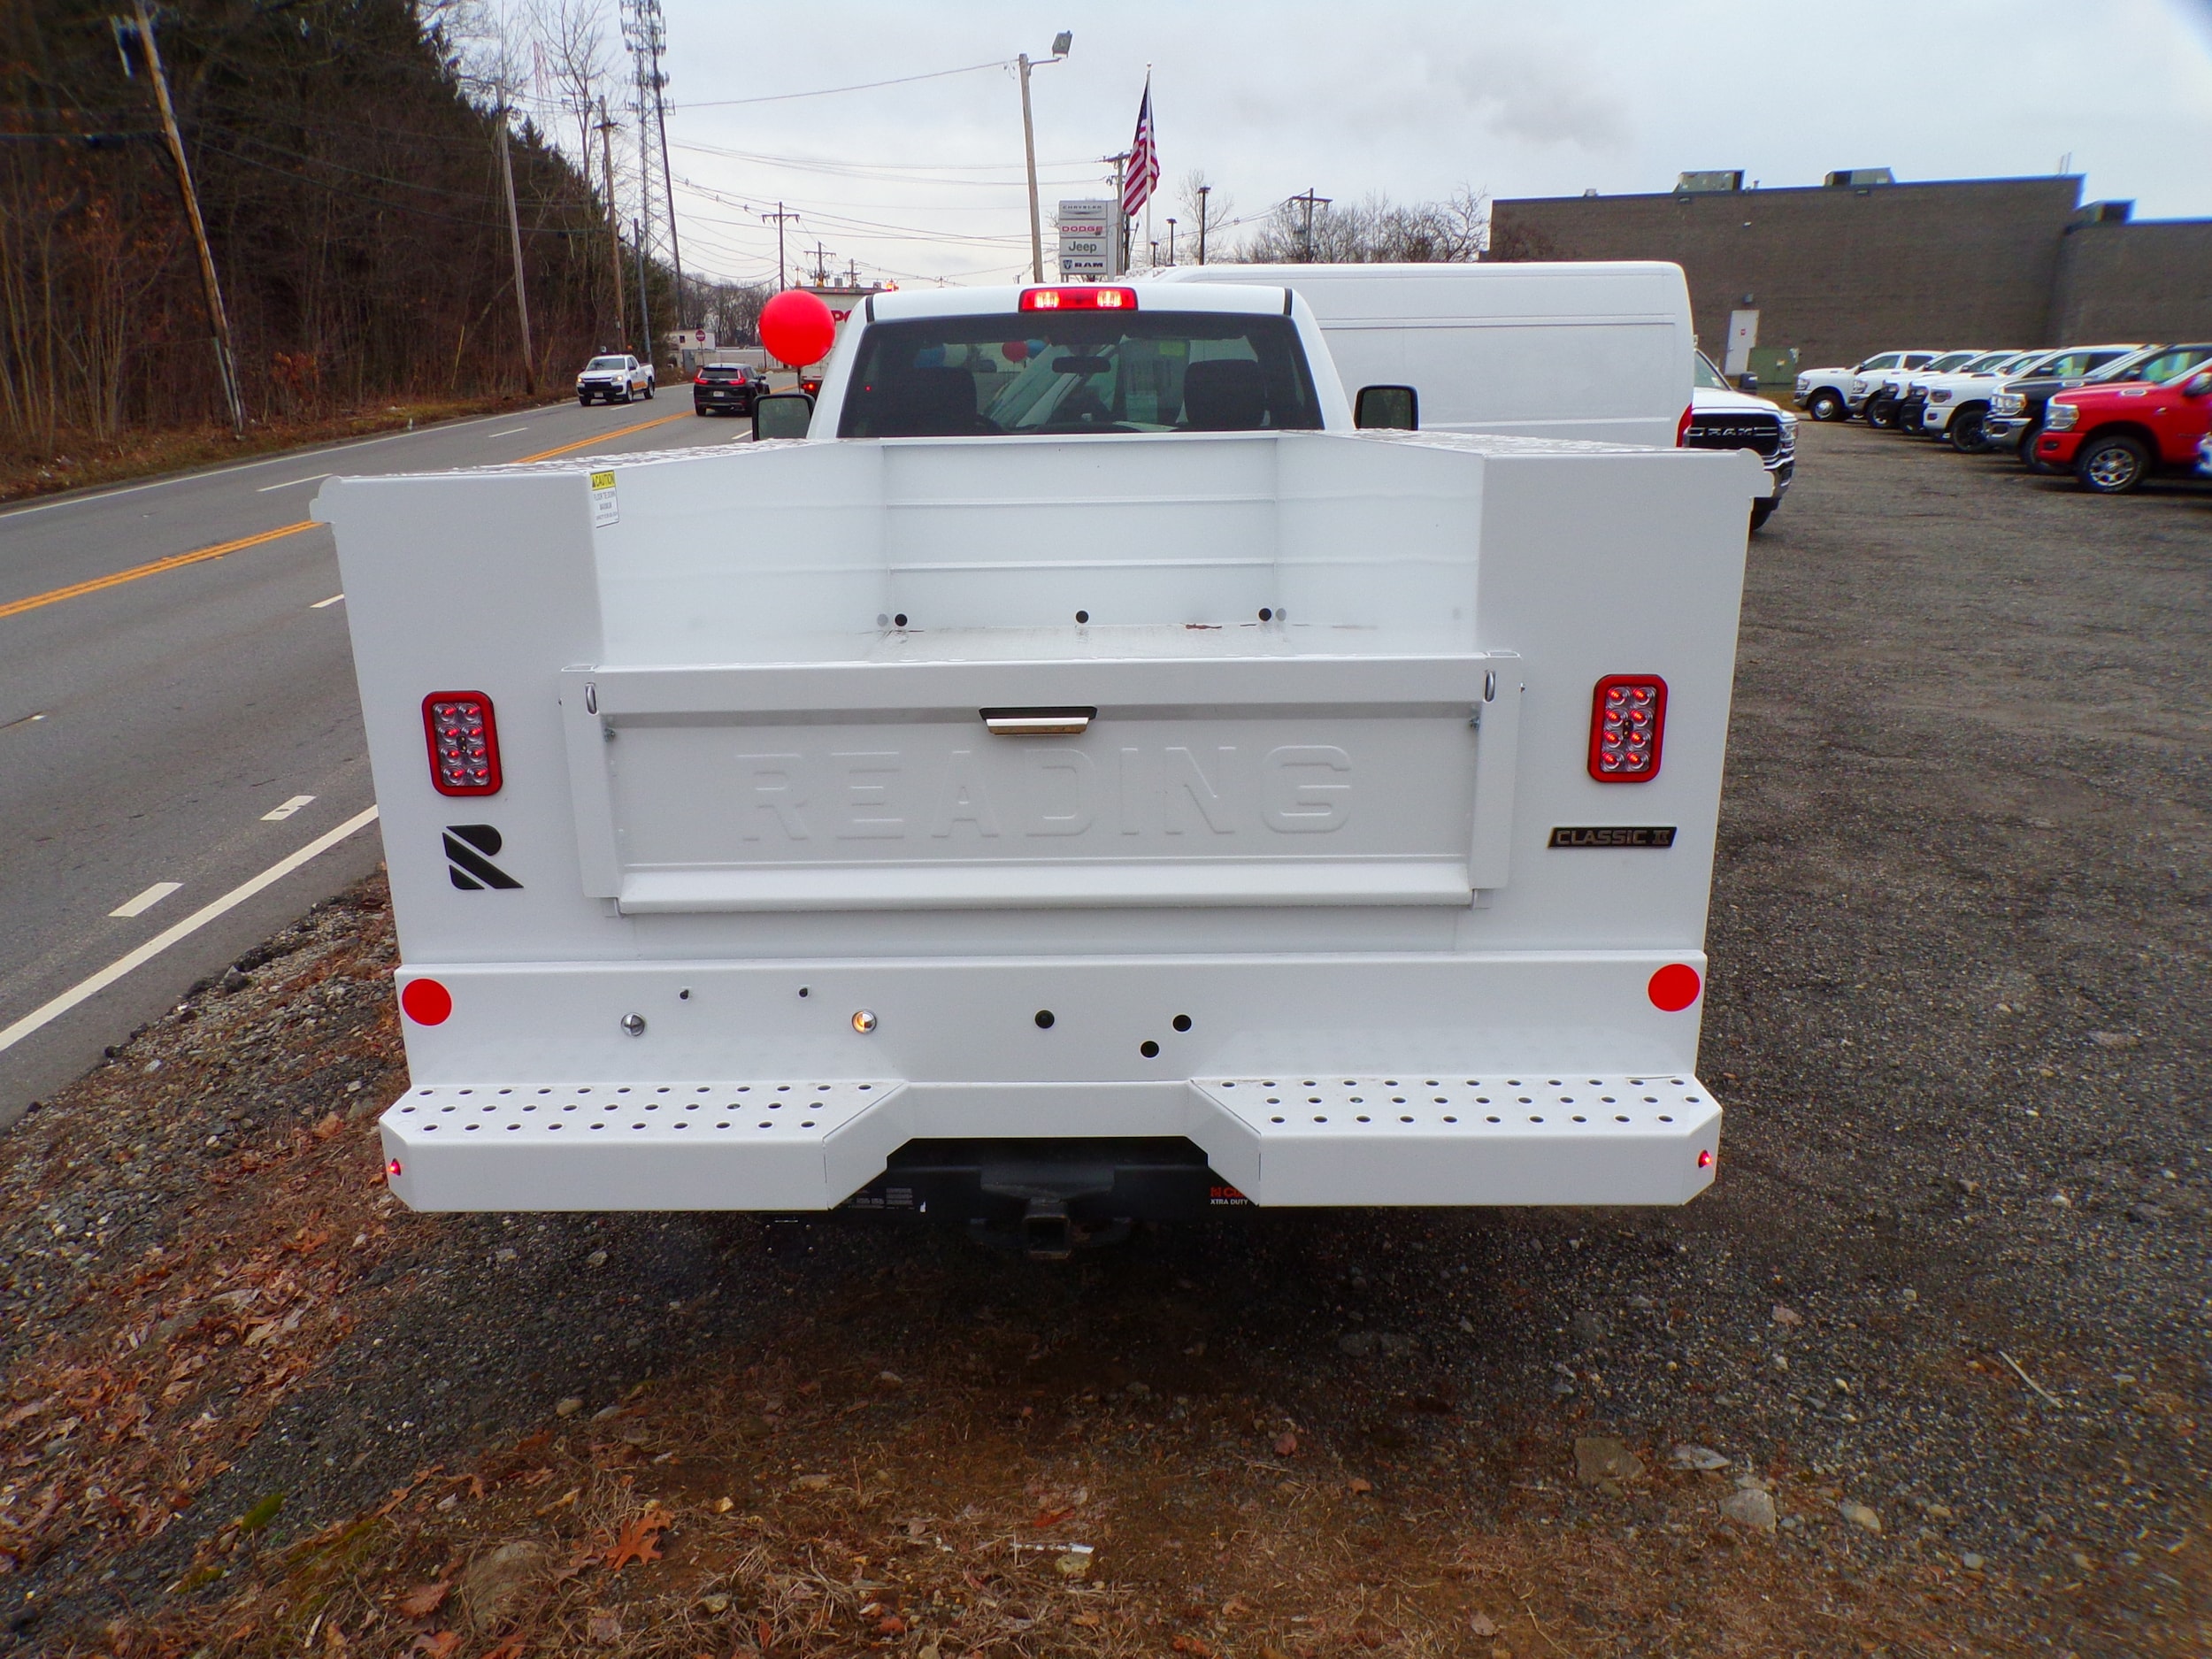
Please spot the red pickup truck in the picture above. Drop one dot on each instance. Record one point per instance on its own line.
(2113, 437)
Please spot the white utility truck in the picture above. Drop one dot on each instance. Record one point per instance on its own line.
(1085, 780)
(1598, 349)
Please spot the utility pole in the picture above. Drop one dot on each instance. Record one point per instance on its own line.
(821, 266)
(1029, 151)
(614, 224)
(514, 238)
(1060, 44)
(1311, 201)
(217, 317)
(1121, 219)
(1205, 190)
(779, 217)
(644, 309)
(1171, 240)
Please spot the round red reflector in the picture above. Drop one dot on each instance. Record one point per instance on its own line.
(1673, 988)
(392, 1168)
(427, 1003)
(1704, 1162)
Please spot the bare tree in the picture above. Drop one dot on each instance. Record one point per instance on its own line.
(572, 36)
(1205, 206)
(1373, 231)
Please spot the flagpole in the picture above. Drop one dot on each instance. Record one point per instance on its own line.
(1153, 125)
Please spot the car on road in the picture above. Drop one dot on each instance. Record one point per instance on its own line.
(1953, 406)
(2115, 436)
(1832, 393)
(727, 388)
(1722, 418)
(614, 378)
(2016, 413)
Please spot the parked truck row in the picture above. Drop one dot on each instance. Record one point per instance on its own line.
(2113, 415)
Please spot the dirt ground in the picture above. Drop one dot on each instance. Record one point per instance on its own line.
(1924, 1374)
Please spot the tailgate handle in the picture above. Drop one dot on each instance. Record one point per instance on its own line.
(1038, 722)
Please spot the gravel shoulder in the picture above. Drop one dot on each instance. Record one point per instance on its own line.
(1924, 1373)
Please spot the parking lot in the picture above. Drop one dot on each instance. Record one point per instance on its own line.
(1924, 1374)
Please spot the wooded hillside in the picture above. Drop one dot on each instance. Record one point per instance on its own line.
(349, 172)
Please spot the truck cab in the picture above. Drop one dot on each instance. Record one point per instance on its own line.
(1101, 783)
(2113, 437)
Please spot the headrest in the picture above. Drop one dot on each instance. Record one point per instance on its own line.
(1226, 395)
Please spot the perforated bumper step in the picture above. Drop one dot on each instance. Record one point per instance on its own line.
(1557, 1138)
(774, 1145)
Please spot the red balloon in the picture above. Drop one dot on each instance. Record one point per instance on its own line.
(1014, 350)
(797, 328)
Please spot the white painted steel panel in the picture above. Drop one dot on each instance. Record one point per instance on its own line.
(770, 1145)
(1284, 1141)
(1524, 1138)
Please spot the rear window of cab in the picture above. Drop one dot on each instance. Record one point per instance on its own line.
(1034, 373)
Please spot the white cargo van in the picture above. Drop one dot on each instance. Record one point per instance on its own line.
(1084, 780)
(1598, 351)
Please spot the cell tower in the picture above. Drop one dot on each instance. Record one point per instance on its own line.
(646, 34)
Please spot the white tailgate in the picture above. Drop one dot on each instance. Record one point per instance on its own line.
(865, 786)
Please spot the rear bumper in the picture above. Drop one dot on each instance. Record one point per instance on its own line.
(809, 1145)
(1512, 1078)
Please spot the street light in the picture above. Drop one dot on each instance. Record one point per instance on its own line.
(1061, 41)
(1171, 239)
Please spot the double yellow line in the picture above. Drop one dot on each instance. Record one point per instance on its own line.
(598, 437)
(178, 561)
(175, 561)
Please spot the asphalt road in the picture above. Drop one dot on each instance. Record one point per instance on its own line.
(155, 729)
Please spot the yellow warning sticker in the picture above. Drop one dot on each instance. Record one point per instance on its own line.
(605, 510)
(603, 480)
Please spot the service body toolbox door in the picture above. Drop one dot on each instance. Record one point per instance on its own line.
(1064, 783)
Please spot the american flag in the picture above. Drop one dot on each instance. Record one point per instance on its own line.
(1144, 160)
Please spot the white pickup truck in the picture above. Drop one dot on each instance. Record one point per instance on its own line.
(1085, 780)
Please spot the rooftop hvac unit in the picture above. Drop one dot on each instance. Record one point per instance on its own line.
(1859, 177)
(1709, 183)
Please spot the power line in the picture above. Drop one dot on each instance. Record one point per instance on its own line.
(824, 92)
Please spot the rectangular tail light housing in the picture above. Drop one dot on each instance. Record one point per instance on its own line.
(463, 742)
(1079, 296)
(1628, 725)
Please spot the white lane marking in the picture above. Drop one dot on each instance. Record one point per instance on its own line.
(147, 900)
(508, 434)
(277, 814)
(247, 466)
(264, 488)
(325, 604)
(87, 988)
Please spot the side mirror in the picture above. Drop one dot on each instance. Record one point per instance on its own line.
(1391, 408)
(1748, 382)
(781, 415)
(2199, 385)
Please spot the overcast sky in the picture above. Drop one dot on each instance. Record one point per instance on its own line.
(922, 182)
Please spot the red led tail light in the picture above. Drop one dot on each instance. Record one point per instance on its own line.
(1628, 722)
(463, 742)
(1082, 297)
